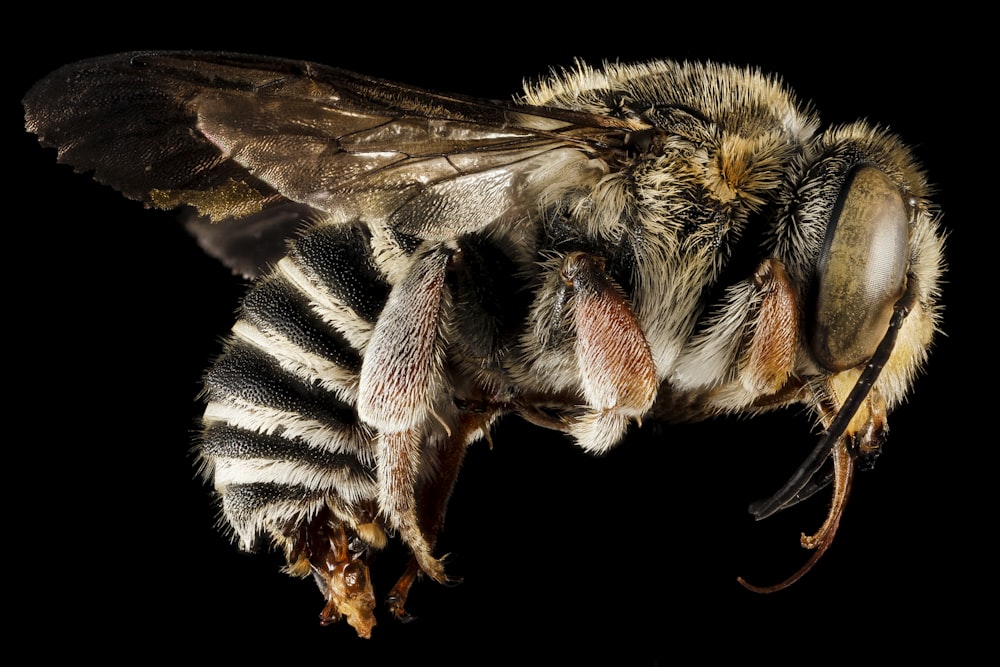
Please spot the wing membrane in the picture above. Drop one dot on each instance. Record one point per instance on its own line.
(232, 135)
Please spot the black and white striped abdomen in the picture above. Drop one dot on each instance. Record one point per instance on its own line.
(281, 438)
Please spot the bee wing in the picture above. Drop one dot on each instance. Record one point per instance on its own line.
(234, 135)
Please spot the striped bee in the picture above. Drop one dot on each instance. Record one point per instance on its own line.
(665, 241)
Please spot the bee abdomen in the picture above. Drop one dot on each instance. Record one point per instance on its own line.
(265, 479)
(223, 440)
(281, 436)
(275, 309)
(287, 509)
(246, 375)
(339, 259)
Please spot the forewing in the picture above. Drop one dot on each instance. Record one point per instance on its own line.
(232, 135)
(134, 127)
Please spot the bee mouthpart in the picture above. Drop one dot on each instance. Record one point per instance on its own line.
(833, 444)
(803, 483)
(820, 541)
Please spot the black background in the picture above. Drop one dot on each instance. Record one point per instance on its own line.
(629, 559)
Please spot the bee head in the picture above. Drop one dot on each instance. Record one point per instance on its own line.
(859, 235)
(861, 242)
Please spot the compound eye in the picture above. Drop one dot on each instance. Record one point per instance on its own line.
(861, 271)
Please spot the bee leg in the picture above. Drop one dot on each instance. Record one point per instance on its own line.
(434, 503)
(337, 559)
(619, 378)
(771, 353)
(395, 601)
(401, 369)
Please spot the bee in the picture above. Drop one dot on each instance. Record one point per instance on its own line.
(664, 240)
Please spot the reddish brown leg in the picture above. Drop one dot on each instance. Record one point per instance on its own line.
(433, 505)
